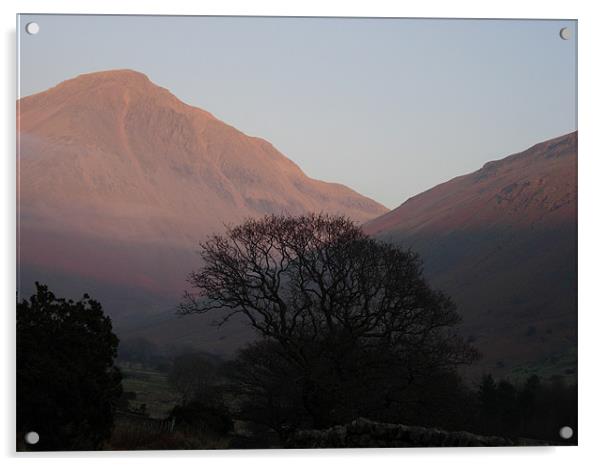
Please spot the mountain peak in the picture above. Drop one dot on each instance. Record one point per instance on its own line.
(104, 85)
(126, 148)
(100, 89)
(125, 77)
(105, 108)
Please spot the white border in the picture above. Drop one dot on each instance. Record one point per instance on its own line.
(590, 210)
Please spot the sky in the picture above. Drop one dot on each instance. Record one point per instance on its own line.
(388, 107)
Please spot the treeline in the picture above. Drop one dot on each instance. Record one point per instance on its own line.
(214, 394)
(533, 409)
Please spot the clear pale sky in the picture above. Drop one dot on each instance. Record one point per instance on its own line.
(389, 107)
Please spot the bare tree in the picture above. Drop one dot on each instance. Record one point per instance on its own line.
(339, 303)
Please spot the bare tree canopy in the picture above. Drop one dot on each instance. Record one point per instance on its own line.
(337, 301)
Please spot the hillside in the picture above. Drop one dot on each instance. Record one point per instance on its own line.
(502, 241)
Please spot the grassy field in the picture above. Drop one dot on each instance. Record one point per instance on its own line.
(151, 389)
(133, 432)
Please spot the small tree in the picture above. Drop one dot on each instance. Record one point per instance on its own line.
(192, 376)
(353, 316)
(67, 384)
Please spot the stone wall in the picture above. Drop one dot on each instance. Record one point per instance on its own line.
(363, 433)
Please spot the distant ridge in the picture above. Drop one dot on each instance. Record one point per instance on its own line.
(503, 242)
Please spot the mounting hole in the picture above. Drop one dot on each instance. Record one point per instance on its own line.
(32, 28)
(32, 438)
(566, 432)
(565, 33)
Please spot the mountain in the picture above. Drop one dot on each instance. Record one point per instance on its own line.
(502, 241)
(119, 181)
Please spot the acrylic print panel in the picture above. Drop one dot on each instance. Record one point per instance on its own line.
(379, 215)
